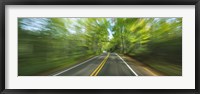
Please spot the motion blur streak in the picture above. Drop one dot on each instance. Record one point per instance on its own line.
(149, 46)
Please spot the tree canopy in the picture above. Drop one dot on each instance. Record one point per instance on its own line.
(47, 40)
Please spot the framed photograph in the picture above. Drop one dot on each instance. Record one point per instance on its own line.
(122, 47)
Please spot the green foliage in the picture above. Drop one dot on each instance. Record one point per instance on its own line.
(50, 43)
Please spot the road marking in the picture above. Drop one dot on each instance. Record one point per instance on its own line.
(102, 65)
(75, 66)
(97, 70)
(127, 65)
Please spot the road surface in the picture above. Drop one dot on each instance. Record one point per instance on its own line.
(107, 64)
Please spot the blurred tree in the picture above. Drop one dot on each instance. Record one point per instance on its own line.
(55, 42)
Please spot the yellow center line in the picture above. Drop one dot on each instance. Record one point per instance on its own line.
(97, 70)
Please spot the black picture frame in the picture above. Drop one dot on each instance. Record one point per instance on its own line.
(3, 3)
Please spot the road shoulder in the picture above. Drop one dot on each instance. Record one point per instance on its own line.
(140, 68)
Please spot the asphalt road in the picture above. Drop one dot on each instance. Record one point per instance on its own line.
(107, 64)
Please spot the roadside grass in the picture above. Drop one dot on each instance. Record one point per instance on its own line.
(164, 56)
(161, 65)
(40, 67)
(165, 67)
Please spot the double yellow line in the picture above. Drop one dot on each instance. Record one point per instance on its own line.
(97, 70)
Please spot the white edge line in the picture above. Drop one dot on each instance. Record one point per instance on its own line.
(74, 66)
(127, 65)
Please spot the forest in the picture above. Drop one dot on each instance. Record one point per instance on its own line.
(48, 45)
